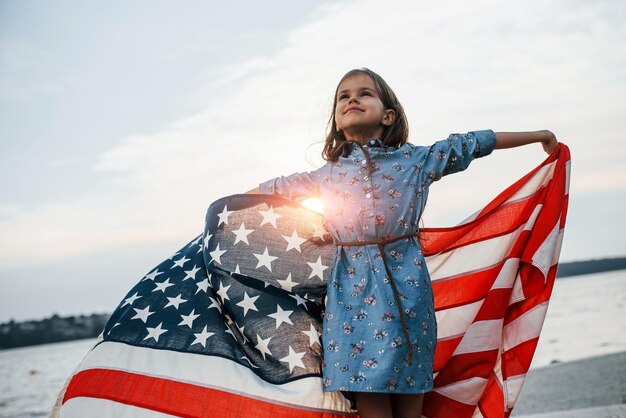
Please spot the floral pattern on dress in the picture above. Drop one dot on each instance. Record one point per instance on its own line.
(366, 349)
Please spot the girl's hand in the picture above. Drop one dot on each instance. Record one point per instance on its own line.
(550, 143)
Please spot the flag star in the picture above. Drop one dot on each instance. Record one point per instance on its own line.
(162, 287)
(281, 316)
(202, 337)
(224, 216)
(287, 283)
(294, 241)
(265, 259)
(240, 329)
(155, 332)
(300, 300)
(142, 314)
(206, 240)
(191, 274)
(318, 230)
(188, 319)
(247, 303)
(262, 345)
(230, 331)
(242, 233)
(215, 304)
(180, 262)
(269, 217)
(216, 254)
(152, 275)
(314, 336)
(237, 269)
(116, 324)
(131, 300)
(175, 302)
(198, 240)
(202, 286)
(294, 359)
(249, 362)
(174, 255)
(223, 291)
(317, 268)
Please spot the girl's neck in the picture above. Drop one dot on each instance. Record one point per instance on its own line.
(361, 137)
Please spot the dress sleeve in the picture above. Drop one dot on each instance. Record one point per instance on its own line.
(455, 153)
(294, 185)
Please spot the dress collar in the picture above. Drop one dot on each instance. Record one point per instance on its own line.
(370, 143)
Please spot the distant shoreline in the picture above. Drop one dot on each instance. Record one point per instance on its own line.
(14, 334)
(577, 268)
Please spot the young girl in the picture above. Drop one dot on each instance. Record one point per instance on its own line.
(379, 329)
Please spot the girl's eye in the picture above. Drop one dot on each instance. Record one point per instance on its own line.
(366, 93)
(343, 96)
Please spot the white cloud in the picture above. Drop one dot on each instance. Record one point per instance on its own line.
(456, 66)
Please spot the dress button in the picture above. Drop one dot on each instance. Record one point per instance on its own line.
(372, 142)
(363, 162)
(368, 195)
(366, 178)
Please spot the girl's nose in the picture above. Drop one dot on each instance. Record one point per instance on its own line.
(353, 99)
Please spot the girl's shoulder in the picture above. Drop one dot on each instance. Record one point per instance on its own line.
(416, 149)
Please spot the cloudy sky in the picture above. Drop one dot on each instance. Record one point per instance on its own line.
(121, 122)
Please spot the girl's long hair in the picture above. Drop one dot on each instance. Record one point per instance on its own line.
(394, 135)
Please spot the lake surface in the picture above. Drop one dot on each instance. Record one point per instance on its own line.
(31, 377)
(586, 318)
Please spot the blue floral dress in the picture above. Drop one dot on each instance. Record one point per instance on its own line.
(365, 346)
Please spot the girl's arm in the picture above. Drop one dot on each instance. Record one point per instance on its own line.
(515, 139)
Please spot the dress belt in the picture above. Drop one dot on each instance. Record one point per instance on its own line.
(381, 245)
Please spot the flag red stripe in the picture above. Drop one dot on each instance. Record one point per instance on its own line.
(503, 220)
(176, 398)
(518, 358)
(466, 366)
(492, 402)
(444, 350)
(454, 292)
(536, 290)
(494, 306)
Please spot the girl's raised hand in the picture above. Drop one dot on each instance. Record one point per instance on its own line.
(550, 143)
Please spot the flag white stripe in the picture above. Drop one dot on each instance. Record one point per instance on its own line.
(513, 387)
(525, 327)
(517, 294)
(455, 321)
(466, 391)
(481, 336)
(538, 180)
(533, 217)
(507, 274)
(567, 176)
(212, 372)
(472, 257)
(544, 256)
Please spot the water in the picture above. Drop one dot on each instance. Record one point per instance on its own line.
(585, 319)
(31, 377)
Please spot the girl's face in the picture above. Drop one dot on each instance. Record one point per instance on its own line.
(359, 112)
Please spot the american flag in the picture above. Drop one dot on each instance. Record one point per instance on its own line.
(230, 325)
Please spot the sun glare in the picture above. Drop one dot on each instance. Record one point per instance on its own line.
(313, 203)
